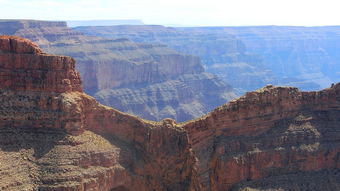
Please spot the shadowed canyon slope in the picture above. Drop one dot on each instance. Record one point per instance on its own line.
(55, 137)
(249, 57)
(155, 75)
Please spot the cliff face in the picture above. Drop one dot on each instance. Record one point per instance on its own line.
(274, 132)
(222, 54)
(110, 65)
(55, 137)
(177, 98)
(24, 67)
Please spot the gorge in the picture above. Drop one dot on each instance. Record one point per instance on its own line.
(55, 137)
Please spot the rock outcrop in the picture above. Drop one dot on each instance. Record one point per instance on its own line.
(272, 132)
(55, 137)
(31, 86)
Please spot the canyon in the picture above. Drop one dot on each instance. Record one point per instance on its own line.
(55, 137)
(248, 57)
(153, 74)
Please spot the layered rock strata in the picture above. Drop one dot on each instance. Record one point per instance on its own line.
(176, 98)
(248, 57)
(272, 132)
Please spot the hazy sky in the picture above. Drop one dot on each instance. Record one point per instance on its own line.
(183, 12)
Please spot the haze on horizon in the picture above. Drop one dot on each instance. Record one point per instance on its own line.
(180, 12)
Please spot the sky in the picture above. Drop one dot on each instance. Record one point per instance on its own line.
(180, 12)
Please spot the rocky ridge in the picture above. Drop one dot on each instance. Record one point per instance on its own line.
(272, 132)
(55, 137)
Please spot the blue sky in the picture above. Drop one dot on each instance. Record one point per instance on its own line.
(182, 12)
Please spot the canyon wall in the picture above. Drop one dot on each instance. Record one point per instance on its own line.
(221, 54)
(273, 132)
(177, 98)
(249, 57)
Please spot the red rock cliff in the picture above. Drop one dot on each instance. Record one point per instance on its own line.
(25, 67)
(273, 131)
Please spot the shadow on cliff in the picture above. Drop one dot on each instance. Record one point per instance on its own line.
(21, 139)
(130, 156)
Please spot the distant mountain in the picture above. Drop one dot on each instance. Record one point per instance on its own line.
(214, 50)
(249, 57)
(308, 53)
(103, 22)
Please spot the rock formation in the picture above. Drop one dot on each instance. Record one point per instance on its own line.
(273, 132)
(114, 65)
(55, 137)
